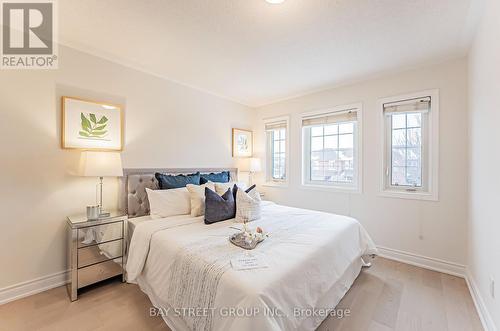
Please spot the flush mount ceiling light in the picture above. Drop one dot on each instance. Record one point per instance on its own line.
(275, 2)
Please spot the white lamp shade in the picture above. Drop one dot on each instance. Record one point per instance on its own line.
(254, 165)
(250, 164)
(101, 164)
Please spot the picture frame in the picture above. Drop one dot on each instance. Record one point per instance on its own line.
(91, 125)
(242, 143)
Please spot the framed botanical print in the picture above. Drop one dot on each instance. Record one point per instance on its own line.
(242, 143)
(91, 125)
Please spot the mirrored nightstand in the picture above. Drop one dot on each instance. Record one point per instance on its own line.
(96, 250)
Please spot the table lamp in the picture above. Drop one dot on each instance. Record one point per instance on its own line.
(101, 164)
(251, 165)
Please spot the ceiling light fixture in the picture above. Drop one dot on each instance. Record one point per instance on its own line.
(275, 2)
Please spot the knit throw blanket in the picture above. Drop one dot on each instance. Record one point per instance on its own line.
(196, 273)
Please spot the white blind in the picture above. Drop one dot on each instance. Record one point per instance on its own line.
(276, 125)
(331, 118)
(420, 105)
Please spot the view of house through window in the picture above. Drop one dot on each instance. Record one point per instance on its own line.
(332, 152)
(330, 148)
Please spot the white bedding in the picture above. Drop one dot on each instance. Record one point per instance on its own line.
(313, 268)
(133, 222)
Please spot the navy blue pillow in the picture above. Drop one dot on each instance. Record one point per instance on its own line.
(235, 189)
(219, 208)
(220, 177)
(166, 182)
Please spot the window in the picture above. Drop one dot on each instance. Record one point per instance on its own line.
(330, 148)
(277, 163)
(410, 145)
(406, 145)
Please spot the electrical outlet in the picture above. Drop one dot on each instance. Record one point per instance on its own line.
(492, 287)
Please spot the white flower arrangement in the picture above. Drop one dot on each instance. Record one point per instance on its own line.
(257, 235)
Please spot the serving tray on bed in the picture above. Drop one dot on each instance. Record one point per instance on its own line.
(240, 239)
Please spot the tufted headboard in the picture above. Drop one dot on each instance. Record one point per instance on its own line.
(133, 184)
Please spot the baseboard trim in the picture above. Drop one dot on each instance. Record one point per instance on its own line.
(34, 286)
(430, 263)
(484, 315)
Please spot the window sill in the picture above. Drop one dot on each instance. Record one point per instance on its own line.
(276, 184)
(326, 188)
(428, 196)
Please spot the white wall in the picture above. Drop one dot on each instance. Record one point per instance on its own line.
(167, 125)
(393, 223)
(484, 227)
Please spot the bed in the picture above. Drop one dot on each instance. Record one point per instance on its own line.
(184, 266)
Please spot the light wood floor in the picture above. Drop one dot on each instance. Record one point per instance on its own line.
(387, 296)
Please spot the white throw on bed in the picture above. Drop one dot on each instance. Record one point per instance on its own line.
(312, 259)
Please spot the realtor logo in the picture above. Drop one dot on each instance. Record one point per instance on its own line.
(28, 36)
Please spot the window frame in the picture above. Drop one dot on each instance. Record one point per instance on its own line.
(356, 186)
(269, 180)
(430, 150)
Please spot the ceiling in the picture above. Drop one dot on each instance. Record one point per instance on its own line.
(256, 53)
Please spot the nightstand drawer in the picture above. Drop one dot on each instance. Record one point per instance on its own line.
(97, 272)
(100, 233)
(99, 253)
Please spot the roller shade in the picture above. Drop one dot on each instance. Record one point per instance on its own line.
(331, 118)
(275, 125)
(420, 105)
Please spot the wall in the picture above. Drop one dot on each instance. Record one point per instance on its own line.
(484, 226)
(393, 223)
(167, 125)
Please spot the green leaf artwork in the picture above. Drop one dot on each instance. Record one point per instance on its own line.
(93, 128)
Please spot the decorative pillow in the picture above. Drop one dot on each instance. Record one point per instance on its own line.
(220, 177)
(236, 188)
(221, 188)
(164, 203)
(247, 205)
(219, 208)
(197, 197)
(166, 182)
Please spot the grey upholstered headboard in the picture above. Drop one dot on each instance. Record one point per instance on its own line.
(133, 184)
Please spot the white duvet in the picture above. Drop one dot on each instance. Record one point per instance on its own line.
(308, 269)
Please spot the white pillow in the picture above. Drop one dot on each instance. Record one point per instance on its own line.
(247, 206)
(221, 188)
(164, 203)
(197, 197)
